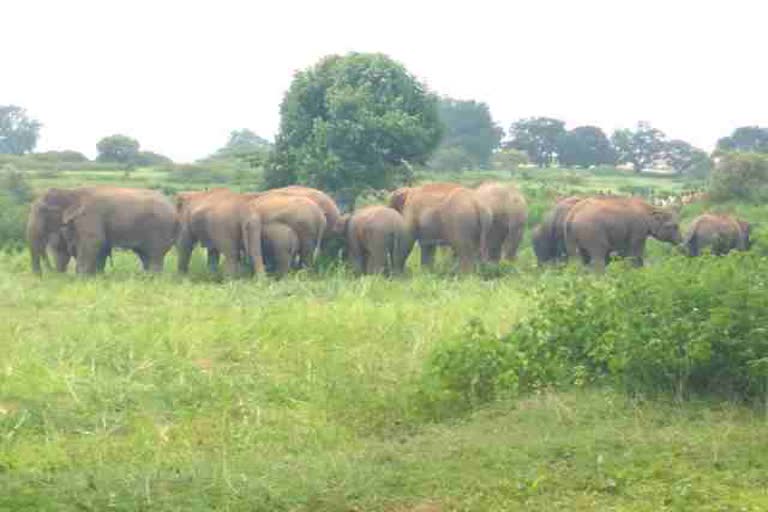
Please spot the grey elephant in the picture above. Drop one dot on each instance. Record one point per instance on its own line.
(549, 237)
(94, 220)
(721, 233)
(597, 227)
(378, 240)
(302, 216)
(222, 222)
(446, 214)
(509, 212)
(44, 236)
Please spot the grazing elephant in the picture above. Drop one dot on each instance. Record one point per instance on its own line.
(302, 215)
(510, 212)
(449, 214)
(280, 246)
(549, 236)
(377, 240)
(94, 220)
(596, 227)
(221, 221)
(721, 233)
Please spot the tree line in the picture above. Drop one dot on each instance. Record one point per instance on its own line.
(362, 121)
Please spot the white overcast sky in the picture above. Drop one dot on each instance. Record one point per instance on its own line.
(179, 75)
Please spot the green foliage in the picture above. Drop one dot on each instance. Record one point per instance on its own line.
(151, 159)
(640, 147)
(18, 132)
(585, 146)
(470, 135)
(15, 195)
(66, 156)
(118, 148)
(353, 122)
(508, 159)
(538, 137)
(740, 176)
(685, 327)
(686, 159)
(745, 138)
(244, 146)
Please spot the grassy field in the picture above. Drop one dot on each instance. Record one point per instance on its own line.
(133, 392)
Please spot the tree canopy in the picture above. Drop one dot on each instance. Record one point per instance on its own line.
(470, 135)
(18, 132)
(584, 146)
(537, 136)
(639, 147)
(353, 122)
(118, 148)
(746, 138)
(686, 159)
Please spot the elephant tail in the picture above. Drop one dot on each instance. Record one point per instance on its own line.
(485, 227)
(570, 242)
(251, 234)
(320, 235)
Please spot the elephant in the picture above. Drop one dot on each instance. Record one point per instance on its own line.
(302, 215)
(399, 197)
(221, 221)
(548, 237)
(280, 247)
(44, 236)
(445, 213)
(596, 227)
(94, 220)
(722, 233)
(510, 213)
(377, 240)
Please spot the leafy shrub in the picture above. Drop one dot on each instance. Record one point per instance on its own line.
(67, 155)
(740, 176)
(15, 194)
(685, 327)
(194, 173)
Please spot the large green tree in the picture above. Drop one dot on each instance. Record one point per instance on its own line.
(639, 147)
(470, 135)
(245, 146)
(537, 136)
(687, 159)
(353, 122)
(118, 148)
(584, 146)
(18, 132)
(746, 138)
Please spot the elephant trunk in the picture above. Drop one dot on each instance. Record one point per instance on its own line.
(251, 233)
(37, 240)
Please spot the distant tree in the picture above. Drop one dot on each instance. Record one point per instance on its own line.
(246, 146)
(151, 159)
(686, 159)
(65, 156)
(451, 158)
(640, 147)
(537, 136)
(469, 126)
(509, 159)
(746, 138)
(118, 148)
(740, 175)
(584, 146)
(18, 132)
(353, 122)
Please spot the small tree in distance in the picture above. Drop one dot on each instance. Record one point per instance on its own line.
(18, 132)
(584, 146)
(639, 147)
(353, 122)
(118, 148)
(537, 136)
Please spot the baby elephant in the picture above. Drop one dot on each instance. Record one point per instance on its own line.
(377, 240)
(721, 233)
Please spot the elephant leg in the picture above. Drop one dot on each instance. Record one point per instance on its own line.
(427, 254)
(143, 257)
(513, 242)
(376, 262)
(184, 247)
(90, 257)
(356, 255)
(62, 260)
(306, 252)
(213, 260)
(155, 262)
(599, 259)
(232, 264)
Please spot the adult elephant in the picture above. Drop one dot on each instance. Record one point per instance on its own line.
(597, 227)
(94, 220)
(446, 213)
(378, 240)
(721, 233)
(298, 214)
(509, 213)
(549, 237)
(221, 221)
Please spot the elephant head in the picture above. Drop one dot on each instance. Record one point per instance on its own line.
(665, 225)
(398, 198)
(46, 220)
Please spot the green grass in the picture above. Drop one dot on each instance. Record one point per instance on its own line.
(133, 392)
(165, 393)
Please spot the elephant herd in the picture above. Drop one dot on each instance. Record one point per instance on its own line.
(595, 228)
(283, 229)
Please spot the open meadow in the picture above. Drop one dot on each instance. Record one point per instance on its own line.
(514, 388)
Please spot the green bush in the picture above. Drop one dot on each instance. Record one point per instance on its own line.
(15, 195)
(194, 173)
(740, 176)
(689, 326)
